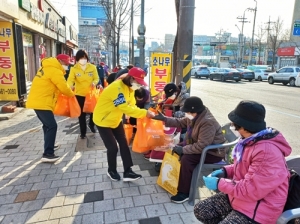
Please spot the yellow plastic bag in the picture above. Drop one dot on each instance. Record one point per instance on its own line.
(169, 173)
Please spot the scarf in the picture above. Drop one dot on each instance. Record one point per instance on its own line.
(238, 150)
(188, 135)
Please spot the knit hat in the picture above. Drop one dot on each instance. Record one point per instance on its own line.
(193, 104)
(102, 63)
(64, 57)
(138, 74)
(170, 89)
(250, 115)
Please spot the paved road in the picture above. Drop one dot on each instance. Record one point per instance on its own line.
(282, 103)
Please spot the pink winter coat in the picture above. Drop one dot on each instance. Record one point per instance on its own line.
(257, 186)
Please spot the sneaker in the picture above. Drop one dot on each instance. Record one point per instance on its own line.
(180, 198)
(131, 176)
(113, 175)
(82, 136)
(47, 158)
(92, 128)
(56, 147)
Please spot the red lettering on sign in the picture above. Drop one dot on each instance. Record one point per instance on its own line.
(4, 45)
(6, 79)
(160, 73)
(5, 62)
(159, 85)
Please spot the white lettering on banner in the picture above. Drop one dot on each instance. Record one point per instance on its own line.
(120, 100)
(36, 14)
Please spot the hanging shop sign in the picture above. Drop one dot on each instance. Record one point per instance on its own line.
(8, 73)
(36, 14)
(161, 71)
(25, 4)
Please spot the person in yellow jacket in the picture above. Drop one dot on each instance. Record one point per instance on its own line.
(84, 76)
(115, 100)
(48, 82)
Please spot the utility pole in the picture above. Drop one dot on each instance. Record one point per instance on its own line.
(253, 29)
(268, 34)
(185, 41)
(243, 21)
(141, 32)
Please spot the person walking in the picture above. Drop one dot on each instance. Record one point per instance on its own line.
(101, 73)
(254, 189)
(115, 100)
(83, 76)
(48, 82)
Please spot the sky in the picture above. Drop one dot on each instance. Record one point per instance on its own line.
(210, 16)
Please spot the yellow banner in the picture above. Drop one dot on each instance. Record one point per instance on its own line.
(160, 71)
(8, 74)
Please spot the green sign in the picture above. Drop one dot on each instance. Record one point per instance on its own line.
(206, 48)
(25, 4)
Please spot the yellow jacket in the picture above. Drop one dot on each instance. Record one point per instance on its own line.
(115, 100)
(83, 79)
(48, 82)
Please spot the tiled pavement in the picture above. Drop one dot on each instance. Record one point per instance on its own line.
(76, 189)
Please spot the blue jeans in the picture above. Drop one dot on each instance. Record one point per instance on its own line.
(49, 128)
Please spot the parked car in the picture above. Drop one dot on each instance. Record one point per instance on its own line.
(194, 69)
(212, 69)
(297, 82)
(246, 74)
(224, 74)
(202, 72)
(285, 75)
(261, 74)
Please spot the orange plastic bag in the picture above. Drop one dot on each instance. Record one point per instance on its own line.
(151, 132)
(128, 128)
(62, 107)
(75, 109)
(90, 101)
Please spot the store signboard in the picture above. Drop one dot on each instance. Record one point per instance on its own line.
(8, 73)
(25, 4)
(160, 72)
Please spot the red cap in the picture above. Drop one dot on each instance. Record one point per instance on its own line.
(102, 63)
(138, 74)
(64, 57)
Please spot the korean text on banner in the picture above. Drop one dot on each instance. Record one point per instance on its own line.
(8, 76)
(161, 70)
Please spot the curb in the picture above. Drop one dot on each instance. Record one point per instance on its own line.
(7, 116)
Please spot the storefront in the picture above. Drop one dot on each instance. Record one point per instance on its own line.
(71, 38)
(288, 56)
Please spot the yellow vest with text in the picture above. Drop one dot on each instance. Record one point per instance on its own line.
(115, 100)
(83, 79)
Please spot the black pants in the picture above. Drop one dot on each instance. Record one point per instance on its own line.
(188, 164)
(109, 137)
(82, 117)
(49, 129)
(217, 209)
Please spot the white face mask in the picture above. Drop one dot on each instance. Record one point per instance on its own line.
(172, 97)
(82, 61)
(189, 116)
(135, 86)
(65, 67)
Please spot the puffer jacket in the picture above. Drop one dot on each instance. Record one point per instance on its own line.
(48, 82)
(206, 131)
(83, 79)
(115, 100)
(258, 184)
(183, 95)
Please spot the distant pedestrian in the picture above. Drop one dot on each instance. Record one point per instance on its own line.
(101, 73)
(84, 76)
(46, 85)
(123, 71)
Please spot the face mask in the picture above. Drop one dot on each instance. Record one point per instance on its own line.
(65, 67)
(189, 116)
(172, 97)
(135, 86)
(82, 61)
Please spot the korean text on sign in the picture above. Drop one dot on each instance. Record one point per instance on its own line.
(8, 78)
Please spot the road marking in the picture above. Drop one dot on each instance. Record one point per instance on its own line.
(291, 115)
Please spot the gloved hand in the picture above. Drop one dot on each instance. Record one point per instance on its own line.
(159, 117)
(178, 150)
(211, 182)
(217, 173)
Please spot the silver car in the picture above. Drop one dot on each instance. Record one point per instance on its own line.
(285, 75)
(261, 74)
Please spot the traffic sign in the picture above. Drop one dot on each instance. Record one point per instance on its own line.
(296, 29)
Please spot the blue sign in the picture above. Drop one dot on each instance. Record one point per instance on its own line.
(296, 29)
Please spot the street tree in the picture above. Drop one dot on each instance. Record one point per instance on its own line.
(277, 36)
(118, 14)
